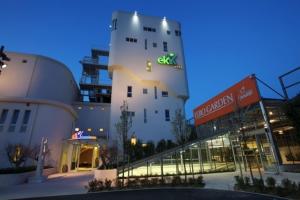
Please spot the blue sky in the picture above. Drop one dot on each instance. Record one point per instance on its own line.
(224, 40)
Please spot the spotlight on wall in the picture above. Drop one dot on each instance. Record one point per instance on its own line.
(135, 17)
(164, 21)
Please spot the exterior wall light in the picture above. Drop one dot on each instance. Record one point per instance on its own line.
(135, 17)
(164, 22)
(77, 129)
(133, 139)
(280, 132)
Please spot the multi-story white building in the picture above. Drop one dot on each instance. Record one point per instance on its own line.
(147, 66)
(39, 97)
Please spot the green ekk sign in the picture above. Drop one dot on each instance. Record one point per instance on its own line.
(168, 59)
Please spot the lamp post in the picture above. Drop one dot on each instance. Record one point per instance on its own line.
(3, 57)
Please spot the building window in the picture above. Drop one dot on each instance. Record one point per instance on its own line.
(168, 32)
(146, 44)
(167, 115)
(164, 94)
(129, 91)
(149, 29)
(148, 66)
(3, 118)
(13, 121)
(156, 111)
(25, 121)
(145, 115)
(155, 92)
(130, 113)
(154, 44)
(177, 33)
(145, 91)
(114, 24)
(128, 39)
(165, 46)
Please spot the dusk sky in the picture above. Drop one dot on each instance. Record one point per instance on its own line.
(224, 40)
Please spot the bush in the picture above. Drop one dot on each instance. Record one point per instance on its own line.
(247, 181)
(176, 181)
(154, 181)
(200, 182)
(258, 185)
(95, 185)
(145, 182)
(191, 181)
(107, 184)
(133, 183)
(239, 182)
(64, 168)
(271, 182)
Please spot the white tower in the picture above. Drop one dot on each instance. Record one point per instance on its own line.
(148, 70)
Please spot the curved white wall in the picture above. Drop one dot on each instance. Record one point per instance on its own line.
(47, 89)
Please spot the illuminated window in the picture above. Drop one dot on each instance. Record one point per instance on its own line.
(148, 66)
(129, 91)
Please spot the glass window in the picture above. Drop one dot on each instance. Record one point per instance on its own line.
(155, 92)
(165, 46)
(15, 116)
(168, 32)
(3, 116)
(164, 93)
(26, 117)
(129, 91)
(167, 115)
(154, 44)
(114, 24)
(145, 91)
(146, 44)
(145, 115)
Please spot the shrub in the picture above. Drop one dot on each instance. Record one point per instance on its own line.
(271, 182)
(200, 182)
(154, 181)
(64, 168)
(191, 181)
(176, 181)
(145, 182)
(162, 181)
(133, 183)
(287, 184)
(107, 184)
(239, 182)
(247, 181)
(258, 184)
(95, 185)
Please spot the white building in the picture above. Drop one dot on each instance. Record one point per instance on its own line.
(152, 90)
(40, 98)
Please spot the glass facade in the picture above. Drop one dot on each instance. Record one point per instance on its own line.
(240, 141)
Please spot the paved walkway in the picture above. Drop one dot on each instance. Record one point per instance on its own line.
(73, 183)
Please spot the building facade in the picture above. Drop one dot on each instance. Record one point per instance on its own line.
(147, 66)
(40, 98)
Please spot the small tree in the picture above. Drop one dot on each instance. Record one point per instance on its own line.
(161, 146)
(17, 154)
(123, 127)
(108, 156)
(180, 127)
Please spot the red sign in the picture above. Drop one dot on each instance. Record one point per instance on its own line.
(240, 95)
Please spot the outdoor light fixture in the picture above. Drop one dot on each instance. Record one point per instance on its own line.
(135, 17)
(133, 139)
(3, 57)
(76, 129)
(280, 132)
(164, 22)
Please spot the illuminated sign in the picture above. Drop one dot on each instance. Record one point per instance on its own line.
(80, 135)
(169, 59)
(240, 95)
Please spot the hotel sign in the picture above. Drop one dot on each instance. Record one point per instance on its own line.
(80, 135)
(240, 95)
(169, 59)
